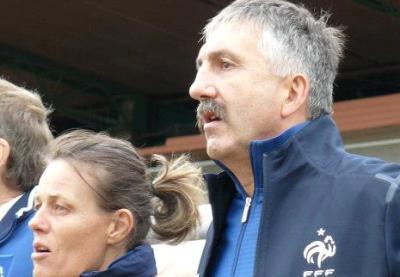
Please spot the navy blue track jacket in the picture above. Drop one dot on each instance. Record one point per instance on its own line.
(138, 262)
(325, 212)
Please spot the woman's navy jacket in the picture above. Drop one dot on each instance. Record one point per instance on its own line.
(138, 262)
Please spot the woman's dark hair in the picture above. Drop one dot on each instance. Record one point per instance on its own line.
(172, 197)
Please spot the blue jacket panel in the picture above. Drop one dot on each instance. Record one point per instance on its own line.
(139, 262)
(16, 240)
(325, 212)
(236, 250)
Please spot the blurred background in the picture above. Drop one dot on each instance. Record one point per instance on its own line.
(125, 67)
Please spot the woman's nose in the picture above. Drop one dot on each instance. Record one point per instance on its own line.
(38, 223)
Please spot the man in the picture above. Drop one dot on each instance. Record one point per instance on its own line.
(24, 135)
(290, 201)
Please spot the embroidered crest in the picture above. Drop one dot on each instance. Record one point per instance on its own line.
(318, 251)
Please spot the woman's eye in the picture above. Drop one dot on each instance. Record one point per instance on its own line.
(37, 206)
(60, 208)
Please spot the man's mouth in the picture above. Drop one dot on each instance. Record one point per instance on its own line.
(209, 111)
(210, 117)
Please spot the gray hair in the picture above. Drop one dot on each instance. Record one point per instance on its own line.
(293, 41)
(23, 124)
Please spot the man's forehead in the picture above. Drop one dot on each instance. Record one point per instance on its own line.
(227, 39)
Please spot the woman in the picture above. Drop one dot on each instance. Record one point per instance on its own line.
(93, 207)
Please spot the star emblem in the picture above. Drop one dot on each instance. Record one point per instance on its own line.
(321, 232)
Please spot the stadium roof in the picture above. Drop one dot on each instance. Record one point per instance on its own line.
(125, 66)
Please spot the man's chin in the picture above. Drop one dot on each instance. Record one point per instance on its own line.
(214, 150)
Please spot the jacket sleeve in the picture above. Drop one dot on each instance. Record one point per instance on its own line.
(392, 229)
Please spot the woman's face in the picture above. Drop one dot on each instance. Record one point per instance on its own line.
(70, 229)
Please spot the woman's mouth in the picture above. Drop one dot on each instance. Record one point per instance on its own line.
(40, 251)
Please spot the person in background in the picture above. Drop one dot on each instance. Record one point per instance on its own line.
(95, 205)
(290, 200)
(24, 135)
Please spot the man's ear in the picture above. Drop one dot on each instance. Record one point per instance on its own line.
(296, 98)
(4, 153)
(120, 227)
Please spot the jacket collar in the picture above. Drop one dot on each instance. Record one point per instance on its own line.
(20, 210)
(260, 148)
(311, 138)
(321, 136)
(138, 262)
(257, 149)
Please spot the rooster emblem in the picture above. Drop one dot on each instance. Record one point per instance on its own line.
(320, 249)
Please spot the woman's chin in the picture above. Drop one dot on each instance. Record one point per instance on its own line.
(41, 271)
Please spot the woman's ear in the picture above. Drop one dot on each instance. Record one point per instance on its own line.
(120, 227)
(298, 93)
(4, 153)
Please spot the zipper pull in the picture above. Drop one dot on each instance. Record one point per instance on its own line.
(246, 209)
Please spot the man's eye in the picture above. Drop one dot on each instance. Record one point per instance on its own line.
(226, 65)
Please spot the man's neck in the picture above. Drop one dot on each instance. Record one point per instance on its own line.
(243, 172)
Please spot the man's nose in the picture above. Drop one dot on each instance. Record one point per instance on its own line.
(203, 86)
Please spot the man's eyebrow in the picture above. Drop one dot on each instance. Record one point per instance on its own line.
(223, 52)
(217, 54)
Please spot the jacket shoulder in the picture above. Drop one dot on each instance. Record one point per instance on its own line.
(368, 166)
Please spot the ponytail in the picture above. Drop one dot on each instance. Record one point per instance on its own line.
(177, 190)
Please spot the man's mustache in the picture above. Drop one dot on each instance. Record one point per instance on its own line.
(207, 106)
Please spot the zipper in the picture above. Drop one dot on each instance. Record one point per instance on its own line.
(245, 216)
(263, 219)
(246, 209)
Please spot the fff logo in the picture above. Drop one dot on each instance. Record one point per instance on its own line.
(319, 273)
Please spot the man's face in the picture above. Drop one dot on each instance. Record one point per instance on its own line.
(240, 98)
